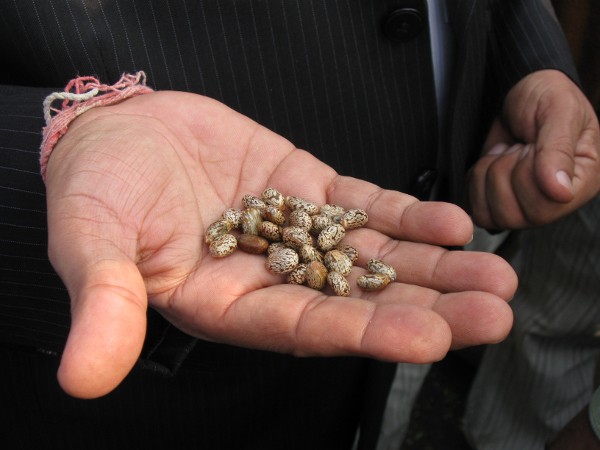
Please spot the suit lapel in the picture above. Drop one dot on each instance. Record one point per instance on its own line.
(469, 22)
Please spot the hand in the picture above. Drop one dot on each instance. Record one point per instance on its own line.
(131, 188)
(542, 157)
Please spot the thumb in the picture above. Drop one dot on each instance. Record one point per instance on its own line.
(547, 109)
(108, 325)
(555, 150)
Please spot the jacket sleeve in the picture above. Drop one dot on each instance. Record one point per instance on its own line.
(34, 307)
(525, 37)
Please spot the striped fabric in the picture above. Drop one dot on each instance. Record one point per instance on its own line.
(531, 385)
(317, 73)
(322, 74)
(34, 307)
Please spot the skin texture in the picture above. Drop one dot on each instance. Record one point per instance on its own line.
(541, 160)
(131, 189)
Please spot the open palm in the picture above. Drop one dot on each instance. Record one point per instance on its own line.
(131, 190)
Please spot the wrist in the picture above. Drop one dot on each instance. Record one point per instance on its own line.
(81, 95)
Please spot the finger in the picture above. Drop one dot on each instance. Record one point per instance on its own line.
(305, 322)
(586, 179)
(107, 333)
(505, 195)
(400, 323)
(578, 179)
(238, 302)
(475, 318)
(437, 268)
(390, 212)
(492, 196)
(498, 142)
(108, 313)
(481, 200)
(402, 216)
(498, 135)
(561, 126)
(536, 207)
(501, 196)
(476, 182)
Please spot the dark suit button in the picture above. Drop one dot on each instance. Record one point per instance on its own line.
(403, 24)
(423, 184)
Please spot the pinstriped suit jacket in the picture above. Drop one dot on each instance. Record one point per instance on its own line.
(322, 74)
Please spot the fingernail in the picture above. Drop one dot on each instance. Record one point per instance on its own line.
(563, 178)
(524, 151)
(498, 149)
(514, 148)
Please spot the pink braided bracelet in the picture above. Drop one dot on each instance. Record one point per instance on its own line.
(81, 94)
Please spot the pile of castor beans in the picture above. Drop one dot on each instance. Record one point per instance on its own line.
(301, 240)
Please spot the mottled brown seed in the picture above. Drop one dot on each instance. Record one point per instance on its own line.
(270, 231)
(354, 218)
(319, 223)
(251, 201)
(282, 261)
(251, 243)
(309, 253)
(273, 197)
(300, 218)
(234, 216)
(275, 247)
(378, 266)
(316, 275)
(295, 203)
(217, 229)
(251, 220)
(330, 236)
(337, 261)
(331, 210)
(273, 214)
(338, 283)
(372, 281)
(223, 245)
(296, 237)
(298, 275)
(349, 251)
